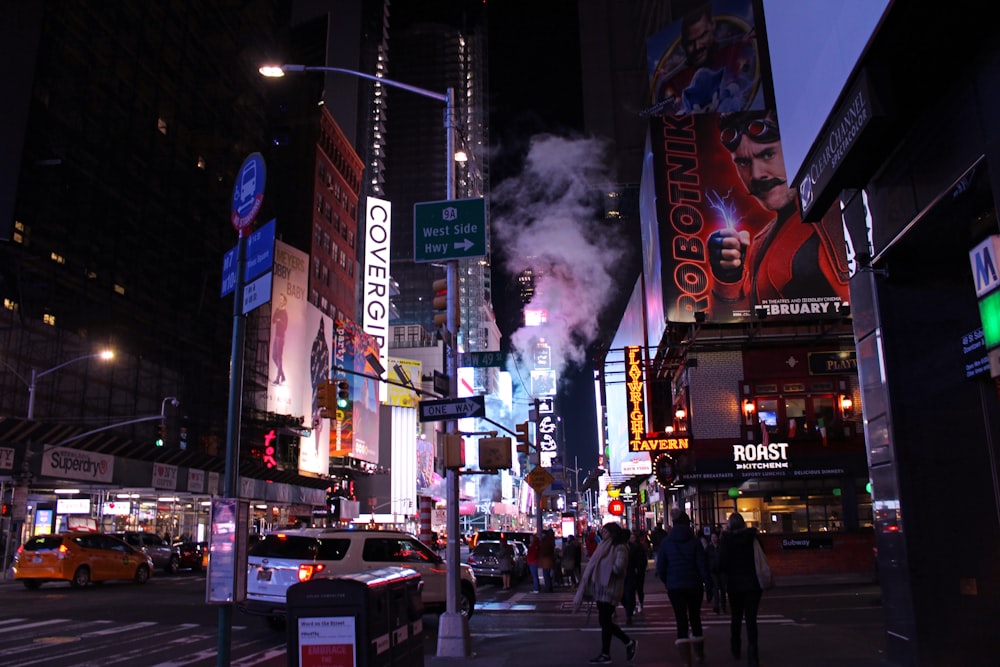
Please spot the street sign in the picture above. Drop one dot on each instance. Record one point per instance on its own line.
(482, 359)
(453, 229)
(257, 293)
(453, 408)
(259, 259)
(260, 251)
(539, 478)
(248, 192)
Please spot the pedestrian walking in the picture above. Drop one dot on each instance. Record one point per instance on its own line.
(635, 577)
(506, 557)
(571, 560)
(718, 594)
(736, 562)
(683, 569)
(547, 557)
(604, 581)
(532, 558)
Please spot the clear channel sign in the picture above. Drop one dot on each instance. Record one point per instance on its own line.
(453, 229)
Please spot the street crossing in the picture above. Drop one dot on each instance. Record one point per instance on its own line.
(99, 643)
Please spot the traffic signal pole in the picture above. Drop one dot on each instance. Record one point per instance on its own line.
(453, 628)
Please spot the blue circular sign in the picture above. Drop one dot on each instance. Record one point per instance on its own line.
(248, 192)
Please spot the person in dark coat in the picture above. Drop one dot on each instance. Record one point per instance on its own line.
(635, 577)
(736, 562)
(718, 594)
(547, 558)
(682, 567)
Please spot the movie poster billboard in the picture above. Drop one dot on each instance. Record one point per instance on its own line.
(299, 354)
(707, 62)
(355, 427)
(726, 221)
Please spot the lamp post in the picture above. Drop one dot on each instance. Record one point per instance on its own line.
(453, 628)
(36, 374)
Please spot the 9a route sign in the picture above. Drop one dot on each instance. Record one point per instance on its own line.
(454, 229)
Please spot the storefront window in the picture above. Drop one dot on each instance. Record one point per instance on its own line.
(778, 507)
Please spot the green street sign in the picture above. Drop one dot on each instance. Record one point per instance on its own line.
(453, 229)
(482, 359)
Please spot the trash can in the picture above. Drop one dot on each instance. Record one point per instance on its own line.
(368, 619)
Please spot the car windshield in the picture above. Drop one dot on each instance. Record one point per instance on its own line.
(300, 547)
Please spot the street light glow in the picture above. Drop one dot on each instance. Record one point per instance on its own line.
(273, 71)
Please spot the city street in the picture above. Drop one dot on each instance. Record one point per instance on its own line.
(167, 624)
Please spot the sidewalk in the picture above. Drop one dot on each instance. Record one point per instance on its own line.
(558, 637)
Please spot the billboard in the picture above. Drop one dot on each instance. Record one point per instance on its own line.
(376, 279)
(299, 354)
(725, 217)
(354, 431)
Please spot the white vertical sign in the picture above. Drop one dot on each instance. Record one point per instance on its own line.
(375, 318)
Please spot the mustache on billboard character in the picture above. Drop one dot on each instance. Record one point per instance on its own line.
(759, 188)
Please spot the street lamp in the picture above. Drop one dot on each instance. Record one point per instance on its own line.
(36, 374)
(453, 628)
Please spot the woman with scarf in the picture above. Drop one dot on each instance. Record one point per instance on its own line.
(604, 581)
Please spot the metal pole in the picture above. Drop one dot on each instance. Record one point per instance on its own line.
(453, 628)
(31, 394)
(230, 481)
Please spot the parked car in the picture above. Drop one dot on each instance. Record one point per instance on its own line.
(285, 558)
(79, 558)
(485, 563)
(165, 557)
(192, 555)
(495, 535)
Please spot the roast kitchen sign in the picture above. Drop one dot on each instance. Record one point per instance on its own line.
(639, 440)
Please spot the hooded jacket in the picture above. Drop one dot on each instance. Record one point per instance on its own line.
(680, 560)
(736, 559)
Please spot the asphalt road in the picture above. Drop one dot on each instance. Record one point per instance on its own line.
(166, 623)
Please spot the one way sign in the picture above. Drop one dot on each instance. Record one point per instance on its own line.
(452, 408)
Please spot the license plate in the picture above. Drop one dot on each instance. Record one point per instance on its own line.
(263, 575)
(36, 559)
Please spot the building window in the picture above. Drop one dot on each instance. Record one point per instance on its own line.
(49, 318)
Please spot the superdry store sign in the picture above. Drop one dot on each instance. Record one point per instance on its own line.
(76, 464)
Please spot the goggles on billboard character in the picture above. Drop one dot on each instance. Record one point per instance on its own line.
(761, 130)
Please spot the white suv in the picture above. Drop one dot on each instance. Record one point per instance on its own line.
(282, 559)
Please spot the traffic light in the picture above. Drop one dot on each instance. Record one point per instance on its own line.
(184, 434)
(343, 394)
(440, 288)
(523, 439)
(5, 509)
(323, 395)
(161, 434)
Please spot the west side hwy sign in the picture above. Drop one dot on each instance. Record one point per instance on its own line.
(452, 408)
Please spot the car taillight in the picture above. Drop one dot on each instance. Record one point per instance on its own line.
(307, 572)
(472, 559)
(20, 549)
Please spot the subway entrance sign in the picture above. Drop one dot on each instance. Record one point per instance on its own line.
(454, 229)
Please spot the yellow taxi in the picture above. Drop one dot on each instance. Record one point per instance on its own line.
(79, 558)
